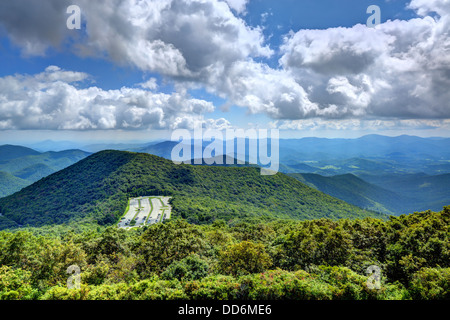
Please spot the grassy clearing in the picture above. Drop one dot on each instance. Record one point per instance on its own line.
(163, 211)
(151, 209)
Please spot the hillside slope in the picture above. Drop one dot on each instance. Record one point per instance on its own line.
(358, 192)
(23, 166)
(427, 191)
(9, 152)
(97, 188)
(10, 184)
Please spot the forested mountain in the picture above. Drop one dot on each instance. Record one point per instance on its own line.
(358, 192)
(390, 194)
(268, 254)
(10, 184)
(97, 188)
(9, 152)
(161, 149)
(424, 191)
(370, 154)
(21, 166)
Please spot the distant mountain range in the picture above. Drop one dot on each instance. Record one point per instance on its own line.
(372, 154)
(21, 166)
(366, 155)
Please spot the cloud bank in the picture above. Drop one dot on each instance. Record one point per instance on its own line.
(52, 100)
(399, 70)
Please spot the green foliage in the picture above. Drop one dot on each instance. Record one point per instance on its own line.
(255, 259)
(345, 283)
(63, 293)
(189, 268)
(15, 284)
(96, 274)
(96, 189)
(270, 285)
(162, 244)
(315, 243)
(418, 241)
(243, 258)
(279, 284)
(431, 284)
(218, 287)
(6, 223)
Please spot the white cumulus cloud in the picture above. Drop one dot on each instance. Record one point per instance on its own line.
(51, 100)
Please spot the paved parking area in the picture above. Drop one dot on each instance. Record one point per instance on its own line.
(145, 211)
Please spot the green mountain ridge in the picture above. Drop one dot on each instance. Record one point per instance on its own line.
(97, 188)
(28, 165)
(358, 192)
(390, 194)
(9, 152)
(9, 183)
(425, 191)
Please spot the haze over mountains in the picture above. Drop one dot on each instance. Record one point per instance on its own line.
(402, 154)
(21, 166)
(392, 175)
(368, 154)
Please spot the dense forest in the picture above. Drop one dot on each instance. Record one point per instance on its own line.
(234, 234)
(255, 259)
(96, 190)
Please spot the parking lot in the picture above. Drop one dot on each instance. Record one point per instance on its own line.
(146, 211)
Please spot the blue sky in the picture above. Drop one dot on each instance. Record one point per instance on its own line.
(276, 18)
(138, 70)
